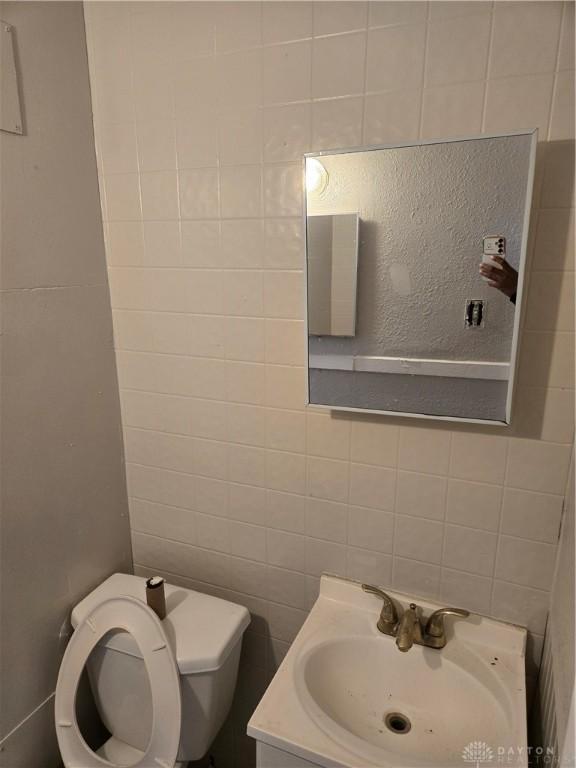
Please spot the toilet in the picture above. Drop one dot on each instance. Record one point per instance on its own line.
(162, 688)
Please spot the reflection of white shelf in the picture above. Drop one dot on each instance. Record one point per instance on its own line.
(413, 366)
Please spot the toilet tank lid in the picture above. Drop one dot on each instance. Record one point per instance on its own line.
(202, 629)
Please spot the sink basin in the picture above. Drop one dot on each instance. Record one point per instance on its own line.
(371, 698)
(344, 695)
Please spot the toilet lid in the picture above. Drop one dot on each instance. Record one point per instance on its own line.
(135, 617)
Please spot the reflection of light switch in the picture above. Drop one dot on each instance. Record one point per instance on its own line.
(494, 246)
(474, 316)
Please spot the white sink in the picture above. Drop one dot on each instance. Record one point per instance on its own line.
(345, 695)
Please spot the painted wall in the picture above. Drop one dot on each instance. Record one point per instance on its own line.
(64, 525)
(202, 113)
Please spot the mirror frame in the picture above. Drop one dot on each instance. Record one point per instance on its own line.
(533, 132)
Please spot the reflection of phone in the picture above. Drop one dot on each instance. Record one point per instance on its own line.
(493, 246)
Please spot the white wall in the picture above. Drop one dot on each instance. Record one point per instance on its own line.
(202, 113)
(64, 525)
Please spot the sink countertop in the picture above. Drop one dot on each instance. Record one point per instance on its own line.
(327, 701)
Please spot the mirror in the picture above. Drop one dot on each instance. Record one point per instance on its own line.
(415, 265)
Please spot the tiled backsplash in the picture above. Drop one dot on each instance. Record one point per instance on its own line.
(202, 113)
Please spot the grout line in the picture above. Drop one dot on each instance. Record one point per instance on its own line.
(556, 70)
(488, 69)
(500, 527)
(424, 77)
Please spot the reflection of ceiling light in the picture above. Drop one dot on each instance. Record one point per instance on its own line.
(316, 175)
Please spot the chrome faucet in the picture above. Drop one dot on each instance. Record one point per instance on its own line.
(409, 629)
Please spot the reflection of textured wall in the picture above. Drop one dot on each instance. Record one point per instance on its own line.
(424, 211)
(432, 395)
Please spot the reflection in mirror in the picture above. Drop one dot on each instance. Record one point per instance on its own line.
(417, 313)
(332, 264)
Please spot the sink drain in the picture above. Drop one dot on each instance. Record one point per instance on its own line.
(397, 722)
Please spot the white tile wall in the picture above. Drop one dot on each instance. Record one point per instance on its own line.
(202, 113)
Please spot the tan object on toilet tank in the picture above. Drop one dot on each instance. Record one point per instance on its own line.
(155, 596)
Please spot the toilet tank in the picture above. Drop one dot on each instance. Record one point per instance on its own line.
(205, 634)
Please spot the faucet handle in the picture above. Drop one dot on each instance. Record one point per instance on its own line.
(389, 615)
(435, 623)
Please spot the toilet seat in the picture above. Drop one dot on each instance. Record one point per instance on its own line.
(133, 616)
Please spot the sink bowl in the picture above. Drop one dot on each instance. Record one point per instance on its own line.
(346, 696)
(416, 707)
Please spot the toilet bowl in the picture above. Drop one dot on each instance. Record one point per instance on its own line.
(162, 688)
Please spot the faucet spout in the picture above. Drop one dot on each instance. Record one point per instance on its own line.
(408, 629)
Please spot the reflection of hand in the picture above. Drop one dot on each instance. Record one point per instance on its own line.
(504, 277)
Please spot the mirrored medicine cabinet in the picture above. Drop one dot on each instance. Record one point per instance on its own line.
(415, 258)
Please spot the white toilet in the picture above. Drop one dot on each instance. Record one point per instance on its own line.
(162, 688)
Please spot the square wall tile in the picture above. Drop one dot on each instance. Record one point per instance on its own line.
(395, 58)
(532, 515)
(331, 18)
(525, 38)
(470, 550)
(156, 145)
(370, 529)
(421, 495)
(286, 550)
(566, 53)
(326, 520)
(415, 579)
(287, 131)
(458, 50)
(237, 26)
(463, 590)
(368, 567)
(199, 195)
(384, 13)
(159, 195)
(240, 135)
(122, 196)
(374, 442)
(418, 539)
(520, 605)
(338, 65)
(287, 73)
(286, 21)
(528, 563)
(515, 101)
(197, 141)
(476, 505)
(392, 117)
(117, 145)
(562, 118)
(479, 457)
(337, 123)
(327, 436)
(283, 294)
(372, 486)
(537, 466)
(283, 190)
(327, 479)
(453, 110)
(424, 450)
(554, 247)
(241, 191)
